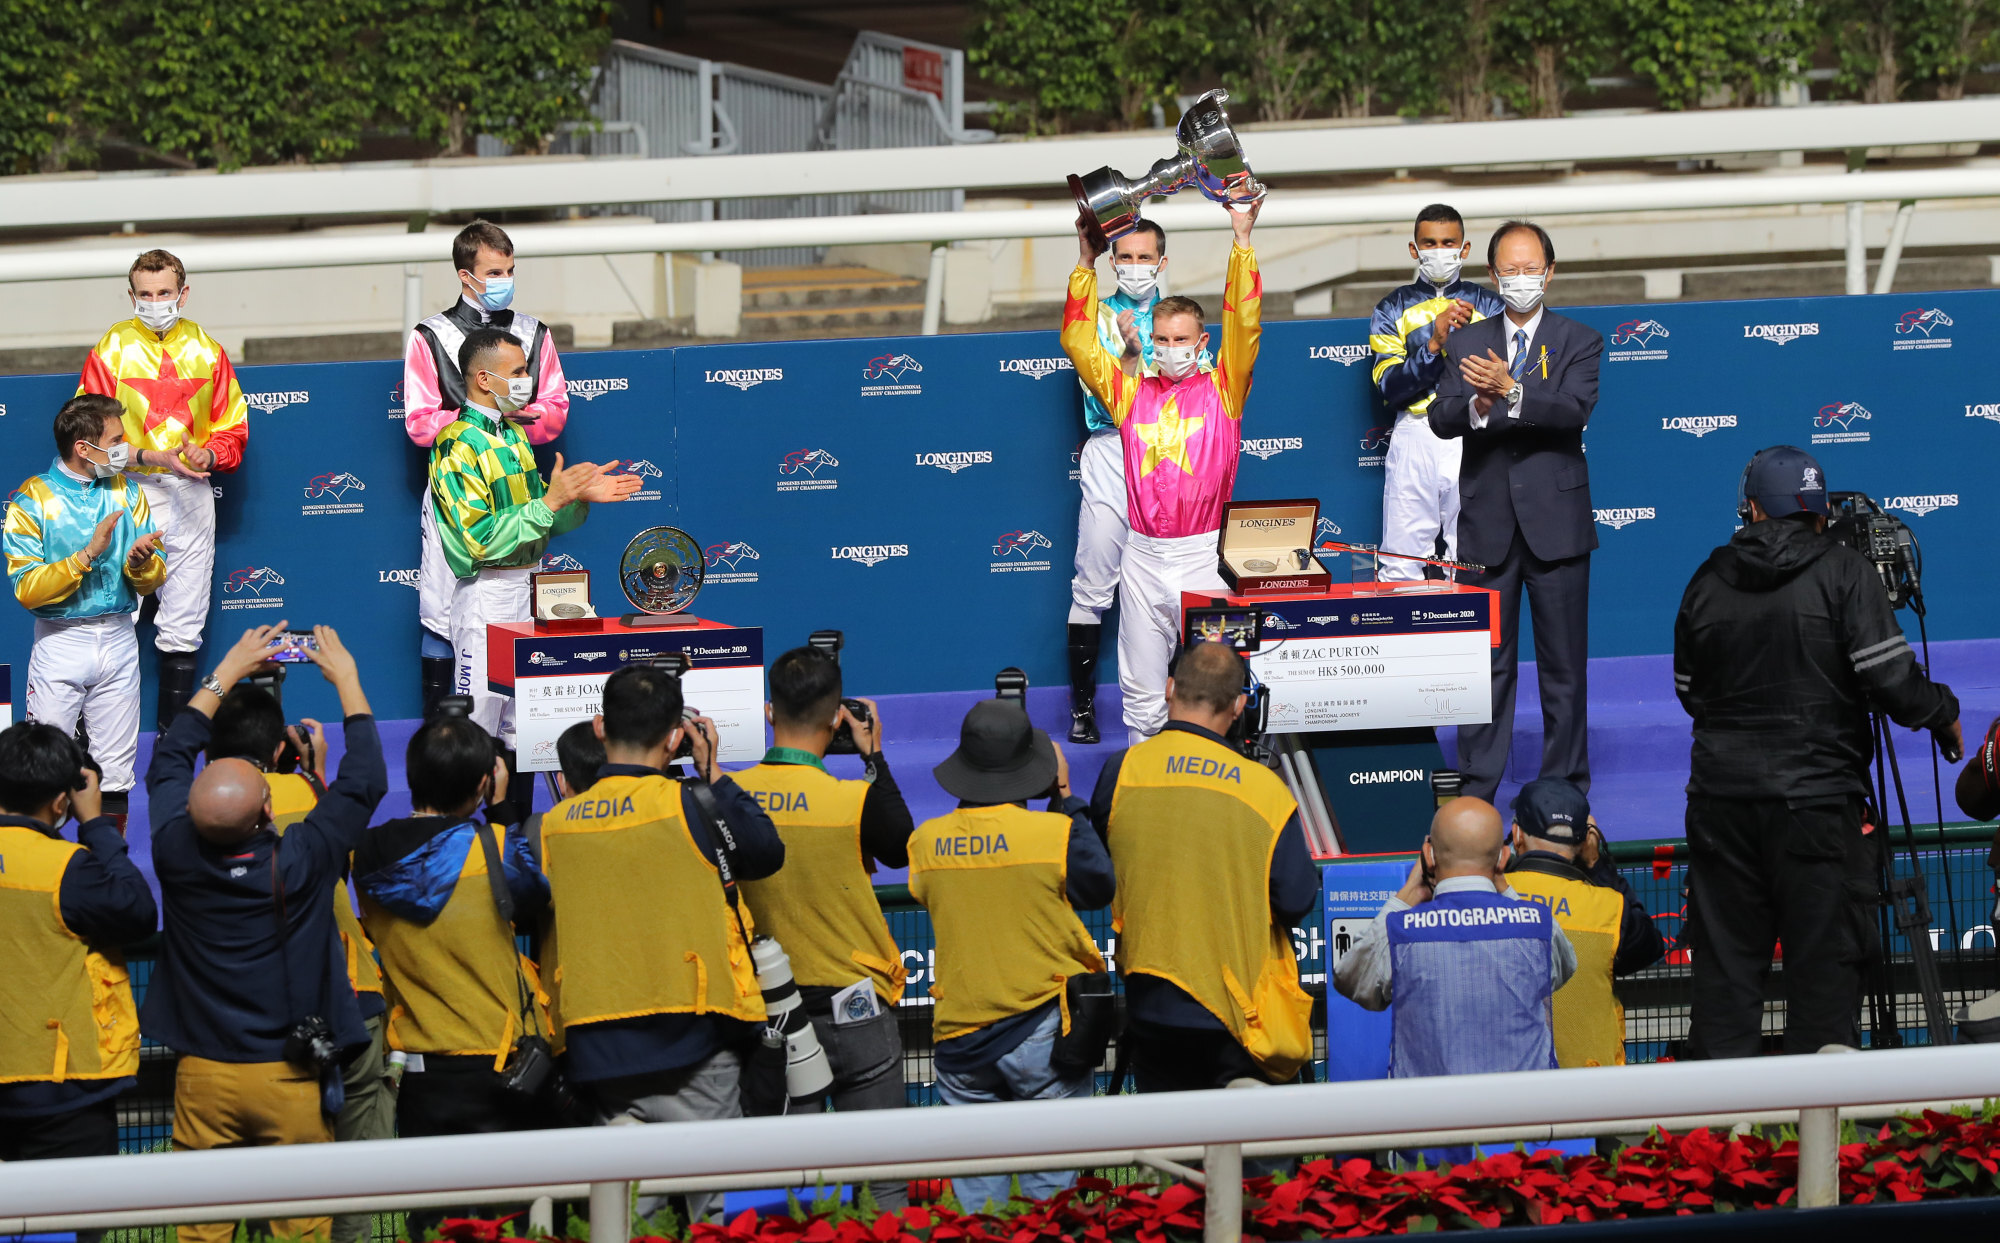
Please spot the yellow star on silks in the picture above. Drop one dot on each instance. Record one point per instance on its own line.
(1166, 439)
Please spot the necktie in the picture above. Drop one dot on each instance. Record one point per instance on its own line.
(1520, 354)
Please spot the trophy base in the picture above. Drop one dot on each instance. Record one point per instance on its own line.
(649, 621)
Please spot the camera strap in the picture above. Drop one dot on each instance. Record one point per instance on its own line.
(503, 899)
(284, 935)
(711, 811)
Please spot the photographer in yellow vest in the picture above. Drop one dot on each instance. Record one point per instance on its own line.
(1003, 885)
(1213, 871)
(651, 990)
(441, 891)
(250, 725)
(1560, 862)
(821, 907)
(69, 1034)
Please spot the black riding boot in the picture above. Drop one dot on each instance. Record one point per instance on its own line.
(177, 682)
(1083, 642)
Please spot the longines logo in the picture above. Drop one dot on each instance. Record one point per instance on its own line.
(1921, 505)
(1035, 368)
(271, 403)
(870, 555)
(956, 461)
(1780, 334)
(591, 390)
(744, 379)
(402, 578)
(1990, 410)
(1698, 425)
(1269, 447)
(1619, 519)
(1345, 355)
(1024, 543)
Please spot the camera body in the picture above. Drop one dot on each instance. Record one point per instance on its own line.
(676, 664)
(1885, 540)
(831, 642)
(1011, 683)
(310, 1045)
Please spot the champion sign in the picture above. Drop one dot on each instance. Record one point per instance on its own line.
(1271, 446)
(1633, 342)
(956, 462)
(591, 390)
(743, 379)
(870, 554)
(1780, 334)
(1921, 505)
(1921, 330)
(1619, 519)
(1386, 776)
(1345, 355)
(271, 403)
(1035, 368)
(1698, 425)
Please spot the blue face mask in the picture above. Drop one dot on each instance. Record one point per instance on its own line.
(499, 293)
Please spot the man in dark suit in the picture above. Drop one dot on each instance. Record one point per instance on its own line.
(1519, 389)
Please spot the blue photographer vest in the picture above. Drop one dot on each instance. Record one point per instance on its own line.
(1471, 976)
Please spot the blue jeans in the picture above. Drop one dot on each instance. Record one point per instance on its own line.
(1022, 1075)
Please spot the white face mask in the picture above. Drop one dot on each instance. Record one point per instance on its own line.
(159, 316)
(1138, 281)
(1523, 293)
(117, 457)
(520, 391)
(1176, 362)
(1440, 266)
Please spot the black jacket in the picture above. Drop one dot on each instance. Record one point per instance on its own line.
(1525, 468)
(223, 990)
(1784, 642)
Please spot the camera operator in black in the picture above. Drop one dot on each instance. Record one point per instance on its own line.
(821, 907)
(1784, 644)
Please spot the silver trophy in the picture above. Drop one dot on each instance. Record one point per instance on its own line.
(1211, 160)
(661, 572)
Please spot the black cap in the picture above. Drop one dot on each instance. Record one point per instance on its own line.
(1001, 758)
(1553, 810)
(1785, 480)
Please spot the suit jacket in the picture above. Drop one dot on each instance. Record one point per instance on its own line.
(1525, 468)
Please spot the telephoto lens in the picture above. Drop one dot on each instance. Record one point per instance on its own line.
(807, 1072)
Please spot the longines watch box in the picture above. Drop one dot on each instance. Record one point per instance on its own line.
(562, 601)
(1265, 547)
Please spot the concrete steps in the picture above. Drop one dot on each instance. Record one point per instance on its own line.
(827, 299)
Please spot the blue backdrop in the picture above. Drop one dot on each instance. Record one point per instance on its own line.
(918, 492)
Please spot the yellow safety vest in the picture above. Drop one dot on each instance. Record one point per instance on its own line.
(821, 905)
(994, 881)
(641, 924)
(66, 1009)
(454, 985)
(292, 796)
(1193, 827)
(1590, 1024)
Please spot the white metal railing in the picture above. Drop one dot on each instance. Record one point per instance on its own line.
(1159, 1130)
(73, 200)
(1979, 179)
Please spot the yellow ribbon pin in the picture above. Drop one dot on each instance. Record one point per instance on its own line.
(1545, 362)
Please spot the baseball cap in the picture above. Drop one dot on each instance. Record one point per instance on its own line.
(1553, 810)
(1784, 480)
